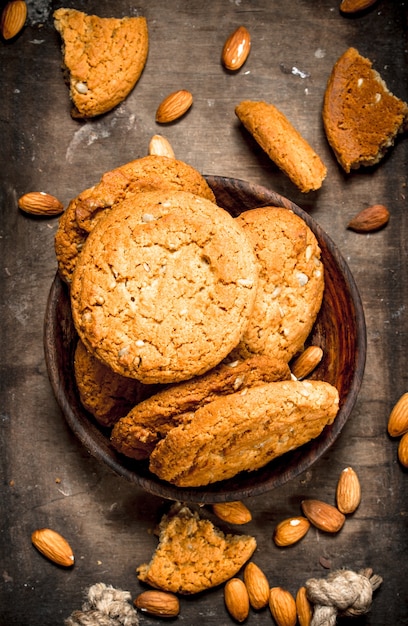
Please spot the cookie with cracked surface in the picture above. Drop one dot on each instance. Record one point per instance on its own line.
(193, 554)
(244, 431)
(103, 393)
(283, 143)
(150, 173)
(291, 283)
(361, 117)
(137, 434)
(104, 58)
(164, 287)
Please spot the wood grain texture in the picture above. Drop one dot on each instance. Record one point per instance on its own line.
(48, 478)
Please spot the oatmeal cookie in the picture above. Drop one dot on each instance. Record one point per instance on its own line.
(163, 291)
(194, 555)
(361, 117)
(291, 283)
(244, 431)
(283, 144)
(103, 393)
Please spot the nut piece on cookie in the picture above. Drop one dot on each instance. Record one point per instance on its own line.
(194, 555)
(361, 117)
(103, 58)
(283, 143)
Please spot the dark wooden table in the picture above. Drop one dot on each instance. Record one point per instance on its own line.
(47, 477)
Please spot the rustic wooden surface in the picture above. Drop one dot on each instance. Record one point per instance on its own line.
(47, 477)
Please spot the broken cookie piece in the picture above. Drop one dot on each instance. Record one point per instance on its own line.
(193, 554)
(104, 58)
(361, 117)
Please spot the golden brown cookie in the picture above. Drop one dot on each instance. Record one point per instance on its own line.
(194, 555)
(137, 434)
(163, 291)
(105, 394)
(291, 283)
(361, 117)
(283, 144)
(145, 174)
(104, 58)
(244, 431)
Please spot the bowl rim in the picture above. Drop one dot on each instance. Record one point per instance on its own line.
(94, 437)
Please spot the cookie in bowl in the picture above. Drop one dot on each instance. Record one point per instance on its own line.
(137, 434)
(291, 283)
(244, 431)
(164, 287)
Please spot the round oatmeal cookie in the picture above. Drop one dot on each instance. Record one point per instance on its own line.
(291, 283)
(136, 434)
(103, 393)
(149, 173)
(244, 431)
(164, 287)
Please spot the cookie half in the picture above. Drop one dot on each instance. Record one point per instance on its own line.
(104, 58)
(163, 288)
(244, 431)
(291, 283)
(361, 117)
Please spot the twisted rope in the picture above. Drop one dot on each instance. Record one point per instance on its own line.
(343, 592)
(104, 606)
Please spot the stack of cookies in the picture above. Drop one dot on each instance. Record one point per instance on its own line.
(187, 320)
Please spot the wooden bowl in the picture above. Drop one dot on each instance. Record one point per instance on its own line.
(339, 330)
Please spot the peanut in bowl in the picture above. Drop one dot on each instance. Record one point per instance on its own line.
(339, 331)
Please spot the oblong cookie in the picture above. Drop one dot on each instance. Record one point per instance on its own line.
(136, 434)
(283, 144)
(164, 292)
(104, 57)
(291, 283)
(149, 173)
(244, 431)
